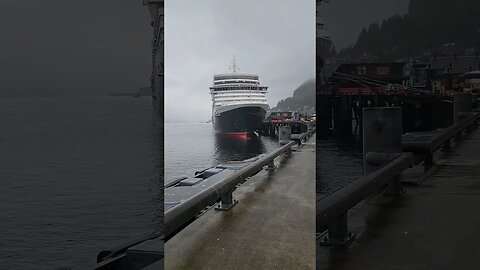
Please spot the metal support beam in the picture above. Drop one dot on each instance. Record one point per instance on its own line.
(338, 234)
(429, 161)
(226, 202)
(394, 187)
(447, 146)
(271, 166)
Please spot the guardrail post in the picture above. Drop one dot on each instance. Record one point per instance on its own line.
(459, 135)
(338, 234)
(271, 166)
(382, 133)
(284, 133)
(226, 202)
(447, 146)
(428, 162)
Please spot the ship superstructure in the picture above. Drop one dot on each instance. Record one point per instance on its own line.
(239, 102)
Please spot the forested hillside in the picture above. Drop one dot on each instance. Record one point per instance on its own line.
(429, 26)
(304, 95)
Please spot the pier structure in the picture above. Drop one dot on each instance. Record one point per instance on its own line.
(413, 208)
(271, 226)
(271, 127)
(355, 86)
(264, 187)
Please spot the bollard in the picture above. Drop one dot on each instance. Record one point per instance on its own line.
(382, 134)
(284, 133)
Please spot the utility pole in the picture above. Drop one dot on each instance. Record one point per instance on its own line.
(156, 8)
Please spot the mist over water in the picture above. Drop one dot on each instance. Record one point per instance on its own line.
(76, 176)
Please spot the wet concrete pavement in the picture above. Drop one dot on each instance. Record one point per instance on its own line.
(272, 226)
(432, 226)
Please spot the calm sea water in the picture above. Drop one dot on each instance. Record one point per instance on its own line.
(338, 163)
(76, 175)
(194, 146)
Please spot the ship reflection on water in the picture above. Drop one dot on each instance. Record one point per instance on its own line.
(194, 146)
(230, 148)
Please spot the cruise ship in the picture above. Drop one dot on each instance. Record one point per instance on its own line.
(239, 103)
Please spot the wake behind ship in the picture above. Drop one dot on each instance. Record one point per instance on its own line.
(239, 103)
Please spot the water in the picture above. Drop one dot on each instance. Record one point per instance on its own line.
(338, 163)
(194, 146)
(77, 175)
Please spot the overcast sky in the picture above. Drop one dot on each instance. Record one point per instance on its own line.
(84, 47)
(272, 38)
(75, 47)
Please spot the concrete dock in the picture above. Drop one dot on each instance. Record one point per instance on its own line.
(271, 227)
(431, 226)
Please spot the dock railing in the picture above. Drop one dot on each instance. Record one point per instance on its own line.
(332, 210)
(186, 212)
(384, 163)
(139, 253)
(299, 138)
(427, 143)
(183, 214)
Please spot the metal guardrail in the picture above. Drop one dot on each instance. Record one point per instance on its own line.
(181, 215)
(119, 257)
(331, 211)
(299, 138)
(427, 144)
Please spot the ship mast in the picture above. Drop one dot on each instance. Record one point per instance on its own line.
(234, 67)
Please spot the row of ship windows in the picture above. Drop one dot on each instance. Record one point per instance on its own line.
(238, 102)
(240, 99)
(217, 78)
(239, 95)
(243, 81)
(217, 102)
(231, 92)
(238, 88)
